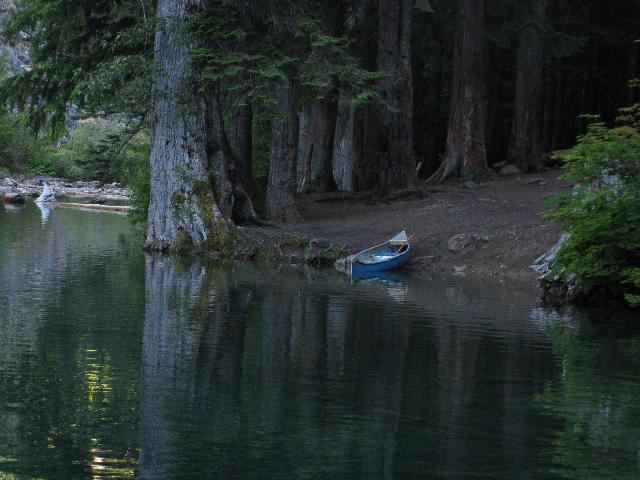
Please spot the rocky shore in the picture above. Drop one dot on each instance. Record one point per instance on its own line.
(32, 187)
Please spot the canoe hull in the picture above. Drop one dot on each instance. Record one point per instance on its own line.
(393, 263)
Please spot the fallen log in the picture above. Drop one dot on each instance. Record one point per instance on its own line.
(13, 198)
(122, 209)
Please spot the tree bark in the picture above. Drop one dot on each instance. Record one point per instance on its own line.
(525, 149)
(346, 160)
(183, 207)
(281, 186)
(547, 112)
(466, 152)
(318, 147)
(303, 135)
(395, 161)
(348, 152)
(240, 139)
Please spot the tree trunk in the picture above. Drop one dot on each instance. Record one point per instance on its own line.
(348, 152)
(281, 187)
(318, 147)
(347, 155)
(183, 209)
(303, 135)
(525, 151)
(240, 140)
(395, 161)
(466, 153)
(547, 112)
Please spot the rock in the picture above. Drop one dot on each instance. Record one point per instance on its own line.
(343, 265)
(316, 243)
(427, 259)
(320, 252)
(545, 262)
(459, 270)
(459, 243)
(14, 198)
(535, 181)
(509, 170)
(469, 185)
(481, 238)
(556, 290)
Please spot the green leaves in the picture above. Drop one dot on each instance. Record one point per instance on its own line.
(94, 55)
(423, 6)
(602, 213)
(252, 52)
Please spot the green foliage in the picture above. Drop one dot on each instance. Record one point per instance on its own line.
(250, 50)
(602, 213)
(97, 150)
(139, 181)
(18, 146)
(594, 402)
(94, 55)
(630, 116)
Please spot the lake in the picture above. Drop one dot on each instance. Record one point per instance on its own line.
(114, 364)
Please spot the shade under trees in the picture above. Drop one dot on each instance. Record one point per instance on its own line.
(260, 102)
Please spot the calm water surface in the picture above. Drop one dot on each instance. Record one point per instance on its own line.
(117, 365)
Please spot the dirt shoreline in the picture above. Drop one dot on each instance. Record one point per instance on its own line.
(502, 216)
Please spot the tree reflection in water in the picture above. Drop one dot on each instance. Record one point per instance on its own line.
(596, 399)
(113, 364)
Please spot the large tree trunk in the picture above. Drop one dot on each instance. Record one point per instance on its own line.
(303, 135)
(318, 147)
(183, 208)
(240, 140)
(466, 153)
(348, 140)
(525, 149)
(281, 187)
(348, 151)
(232, 198)
(395, 161)
(547, 112)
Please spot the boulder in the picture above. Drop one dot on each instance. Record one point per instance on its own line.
(509, 170)
(460, 242)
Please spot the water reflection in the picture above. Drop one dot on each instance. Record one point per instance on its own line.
(113, 364)
(596, 400)
(255, 374)
(45, 211)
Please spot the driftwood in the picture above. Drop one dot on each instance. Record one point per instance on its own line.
(122, 209)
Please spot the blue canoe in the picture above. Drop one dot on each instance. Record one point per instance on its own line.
(387, 256)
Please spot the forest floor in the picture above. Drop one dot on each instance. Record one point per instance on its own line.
(501, 217)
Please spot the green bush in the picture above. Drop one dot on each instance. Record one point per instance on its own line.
(139, 181)
(18, 146)
(97, 149)
(602, 213)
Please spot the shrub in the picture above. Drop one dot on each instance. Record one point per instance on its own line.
(139, 181)
(18, 146)
(602, 213)
(97, 149)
